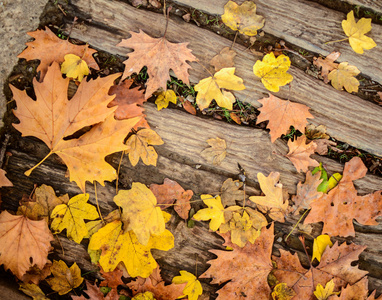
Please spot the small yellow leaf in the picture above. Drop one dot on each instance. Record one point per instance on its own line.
(356, 33)
(283, 292)
(65, 279)
(273, 71)
(334, 180)
(319, 246)
(139, 147)
(214, 212)
(344, 77)
(324, 293)
(144, 296)
(74, 67)
(216, 153)
(33, 290)
(193, 288)
(209, 88)
(242, 18)
(164, 98)
(71, 216)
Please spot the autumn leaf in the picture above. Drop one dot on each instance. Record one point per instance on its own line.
(281, 115)
(356, 33)
(139, 146)
(344, 77)
(273, 195)
(144, 296)
(4, 181)
(48, 48)
(300, 152)
(65, 279)
(71, 217)
(214, 212)
(74, 67)
(282, 292)
(244, 270)
(307, 192)
(33, 291)
(164, 98)
(140, 212)
(112, 279)
(327, 64)
(23, 243)
(322, 293)
(341, 205)
(273, 71)
(118, 246)
(224, 59)
(160, 290)
(319, 245)
(94, 292)
(242, 17)
(52, 117)
(159, 56)
(313, 132)
(209, 88)
(230, 192)
(193, 288)
(216, 153)
(358, 290)
(188, 107)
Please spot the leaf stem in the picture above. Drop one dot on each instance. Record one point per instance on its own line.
(119, 168)
(298, 222)
(234, 40)
(99, 210)
(330, 42)
(27, 173)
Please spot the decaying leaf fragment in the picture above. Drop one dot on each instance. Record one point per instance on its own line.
(224, 59)
(327, 64)
(282, 292)
(230, 192)
(65, 279)
(94, 292)
(4, 181)
(216, 153)
(307, 192)
(242, 17)
(300, 152)
(344, 77)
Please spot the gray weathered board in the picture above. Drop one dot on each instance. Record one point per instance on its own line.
(348, 118)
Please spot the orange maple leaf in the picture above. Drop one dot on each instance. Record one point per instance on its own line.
(341, 205)
(159, 56)
(47, 47)
(94, 292)
(245, 269)
(327, 64)
(300, 152)
(282, 114)
(112, 279)
(52, 117)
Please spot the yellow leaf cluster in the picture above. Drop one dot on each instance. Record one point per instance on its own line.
(164, 99)
(74, 67)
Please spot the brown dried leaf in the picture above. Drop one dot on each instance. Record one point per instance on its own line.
(230, 192)
(307, 191)
(327, 64)
(35, 275)
(216, 153)
(235, 117)
(112, 279)
(187, 105)
(322, 146)
(313, 132)
(300, 152)
(94, 293)
(356, 291)
(4, 181)
(224, 59)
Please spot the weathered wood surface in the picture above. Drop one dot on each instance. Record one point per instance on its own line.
(347, 117)
(307, 25)
(375, 5)
(178, 158)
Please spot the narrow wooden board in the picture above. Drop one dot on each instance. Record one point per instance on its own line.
(308, 25)
(347, 117)
(375, 5)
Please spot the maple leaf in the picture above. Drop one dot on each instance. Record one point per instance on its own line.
(164, 98)
(356, 33)
(307, 192)
(159, 56)
(324, 293)
(94, 292)
(35, 275)
(65, 279)
(193, 288)
(216, 153)
(319, 245)
(327, 64)
(209, 88)
(336, 263)
(119, 247)
(273, 196)
(23, 243)
(144, 296)
(224, 59)
(242, 17)
(214, 212)
(112, 279)
(48, 48)
(129, 102)
(282, 292)
(300, 152)
(230, 192)
(33, 291)
(273, 71)
(281, 115)
(244, 269)
(4, 181)
(52, 117)
(341, 205)
(344, 77)
(74, 67)
(138, 147)
(358, 290)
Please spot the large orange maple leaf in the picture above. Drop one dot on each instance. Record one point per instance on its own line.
(341, 205)
(159, 56)
(245, 269)
(52, 117)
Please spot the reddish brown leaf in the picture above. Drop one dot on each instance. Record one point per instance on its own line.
(112, 279)
(235, 117)
(327, 64)
(307, 191)
(224, 59)
(322, 146)
(300, 152)
(35, 275)
(188, 107)
(357, 291)
(94, 293)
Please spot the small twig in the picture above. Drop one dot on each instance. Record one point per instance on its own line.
(298, 222)
(167, 19)
(119, 168)
(71, 27)
(234, 40)
(4, 148)
(336, 41)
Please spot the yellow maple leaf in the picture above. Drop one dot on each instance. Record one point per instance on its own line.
(144, 296)
(140, 212)
(324, 293)
(193, 288)
(344, 77)
(209, 88)
(214, 212)
(273, 195)
(74, 67)
(138, 147)
(32, 290)
(273, 71)
(319, 245)
(65, 279)
(164, 99)
(71, 216)
(283, 292)
(216, 153)
(356, 33)
(242, 17)
(118, 246)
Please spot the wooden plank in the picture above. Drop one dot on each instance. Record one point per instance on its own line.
(307, 25)
(347, 117)
(375, 5)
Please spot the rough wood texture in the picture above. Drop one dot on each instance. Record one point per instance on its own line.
(347, 117)
(371, 4)
(308, 25)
